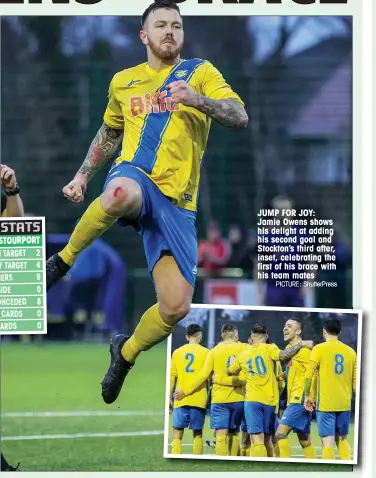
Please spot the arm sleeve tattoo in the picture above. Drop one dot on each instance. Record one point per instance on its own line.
(101, 150)
(227, 112)
(290, 352)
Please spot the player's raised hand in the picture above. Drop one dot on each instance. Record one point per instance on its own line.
(179, 394)
(307, 344)
(181, 92)
(75, 190)
(8, 177)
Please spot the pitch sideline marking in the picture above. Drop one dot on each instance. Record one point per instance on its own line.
(82, 435)
(83, 413)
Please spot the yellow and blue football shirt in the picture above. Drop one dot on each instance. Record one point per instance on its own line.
(217, 361)
(166, 141)
(186, 363)
(257, 362)
(295, 373)
(336, 365)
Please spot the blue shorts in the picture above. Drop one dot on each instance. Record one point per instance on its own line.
(226, 416)
(193, 417)
(274, 424)
(259, 417)
(243, 426)
(297, 417)
(162, 225)
(330, 423)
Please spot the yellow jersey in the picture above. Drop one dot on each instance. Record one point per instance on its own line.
(186, 363)
(336, 365)
(217, 362)
(281, 383)
(295, 373)
(166, 141)
(257, 362)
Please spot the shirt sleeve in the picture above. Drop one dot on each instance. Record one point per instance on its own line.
(3, 202)
(173, 373)
(235, 368)
(274, 352)
(113, 115)
(202, 376)
(354, 375)
(313, 364)
(214, 86)
(231, 381)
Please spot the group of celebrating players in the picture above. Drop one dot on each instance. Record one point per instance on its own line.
(243, 383)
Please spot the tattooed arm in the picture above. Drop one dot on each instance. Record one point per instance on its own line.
(288, 353)
(228, 112)
(101, 150)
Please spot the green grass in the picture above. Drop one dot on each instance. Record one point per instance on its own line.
(296, 448)
(66, 378)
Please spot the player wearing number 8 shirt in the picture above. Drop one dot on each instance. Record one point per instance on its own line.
(336, 366)
(186, 362)
(257, 361)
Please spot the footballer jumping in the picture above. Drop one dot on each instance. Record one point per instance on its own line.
(161, 112)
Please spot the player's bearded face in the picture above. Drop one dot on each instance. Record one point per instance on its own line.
(168, 48)
(164, 34)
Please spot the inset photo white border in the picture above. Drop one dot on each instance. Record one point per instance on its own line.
(293, 312)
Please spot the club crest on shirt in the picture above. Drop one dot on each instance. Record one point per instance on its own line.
(181, 74)
(152, 103)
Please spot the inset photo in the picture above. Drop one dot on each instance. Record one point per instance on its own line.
(264, 384)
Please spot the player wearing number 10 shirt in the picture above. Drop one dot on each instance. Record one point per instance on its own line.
(186, 363)
(258, 362)
(336, 366)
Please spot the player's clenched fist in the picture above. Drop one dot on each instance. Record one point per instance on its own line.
(75, 190)
(181, 92)
(8, 177)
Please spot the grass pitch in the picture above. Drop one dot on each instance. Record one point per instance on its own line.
(54, 419)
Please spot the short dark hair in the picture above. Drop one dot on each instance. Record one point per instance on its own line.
(259, 329)
(193, 329)
(227, 328)
(333, 326)
(298, 321)
(158, 5)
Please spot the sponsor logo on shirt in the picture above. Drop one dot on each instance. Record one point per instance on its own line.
(133, 82)
(181, 74)
(152, 104)
(188, 197)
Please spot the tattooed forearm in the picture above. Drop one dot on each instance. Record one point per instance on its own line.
(290, 352)
(101, 150)
(228, 112)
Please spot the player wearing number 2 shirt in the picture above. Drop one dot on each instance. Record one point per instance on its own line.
(227, 402)
(336, 366)
(186, 363)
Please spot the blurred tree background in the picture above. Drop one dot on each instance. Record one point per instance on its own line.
(294, 74)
